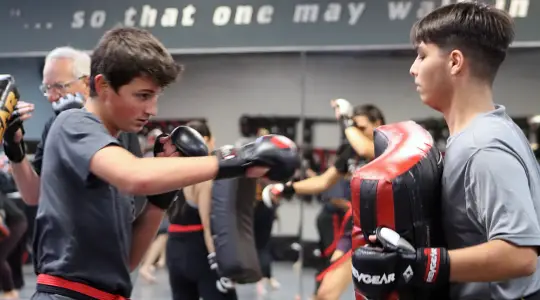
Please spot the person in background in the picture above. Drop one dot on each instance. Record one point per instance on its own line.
(191, 257)
(15, 220)
(358, 124)
(156, 256)
(263, 222)
(332, 222)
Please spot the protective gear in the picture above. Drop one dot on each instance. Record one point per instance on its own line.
(401, 190)
(232, 221)
(223, 284)
(345, 112)
(10, 121)
(278, 190)
(69, 101)
(187, 140)
(189, 143)
(378, 272)
(9, 96)
(276, 152)
(15, 151)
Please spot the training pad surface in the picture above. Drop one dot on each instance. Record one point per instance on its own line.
(232, 229)
(400, 188)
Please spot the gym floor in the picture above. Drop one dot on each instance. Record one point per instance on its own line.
(160, 291)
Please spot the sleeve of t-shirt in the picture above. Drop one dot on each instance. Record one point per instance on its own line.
(497, 188)
(38, 156)
(77, 138)
(341, 163)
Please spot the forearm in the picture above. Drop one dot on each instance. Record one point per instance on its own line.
(310, 173)
(492, 261)
(150, 176)
(27, 181)
(314, 185)
(362, 145)
(145, 229)
(208, 240)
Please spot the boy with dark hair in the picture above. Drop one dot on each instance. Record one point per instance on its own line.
(85, 245)
(491, 181)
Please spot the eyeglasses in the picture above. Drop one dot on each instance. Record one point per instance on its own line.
(57, 87)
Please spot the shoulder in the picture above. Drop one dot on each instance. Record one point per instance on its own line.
(47, 128)
(74, 119)
(494, 130)
(494, 163)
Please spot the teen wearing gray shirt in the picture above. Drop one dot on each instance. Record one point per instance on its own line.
(491, 181)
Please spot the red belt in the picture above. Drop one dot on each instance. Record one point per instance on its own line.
(185, 228)
(80, 288)
(339, 230)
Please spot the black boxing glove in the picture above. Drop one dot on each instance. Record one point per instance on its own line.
(15, 151)
(189, 143)
(69, 101)
(379, 271)
(276, 152)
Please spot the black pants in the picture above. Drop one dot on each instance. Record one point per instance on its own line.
(190, 276)
(262, 229)
(326, 227)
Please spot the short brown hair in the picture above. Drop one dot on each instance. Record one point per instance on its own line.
(126, 53)
(482, 32)
(371, 112)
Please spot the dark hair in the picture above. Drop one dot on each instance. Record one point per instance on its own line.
(372, 112)
(126, 53)
(482, 32)
(201, 128)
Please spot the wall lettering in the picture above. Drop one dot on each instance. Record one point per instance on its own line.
(309, 13)
(148, 16)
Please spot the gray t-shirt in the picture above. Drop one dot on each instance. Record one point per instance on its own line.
(491, 190)
(83, 224)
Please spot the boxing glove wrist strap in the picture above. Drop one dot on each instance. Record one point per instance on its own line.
(230, 168)
(164, 200)
(288, 191)
(432, 267)
(15, 152)
(230, 163)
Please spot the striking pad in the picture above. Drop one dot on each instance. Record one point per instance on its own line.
(232, 228)
(9, 97)
(401, 188)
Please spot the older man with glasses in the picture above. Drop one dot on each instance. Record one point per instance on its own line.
(66, 86)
